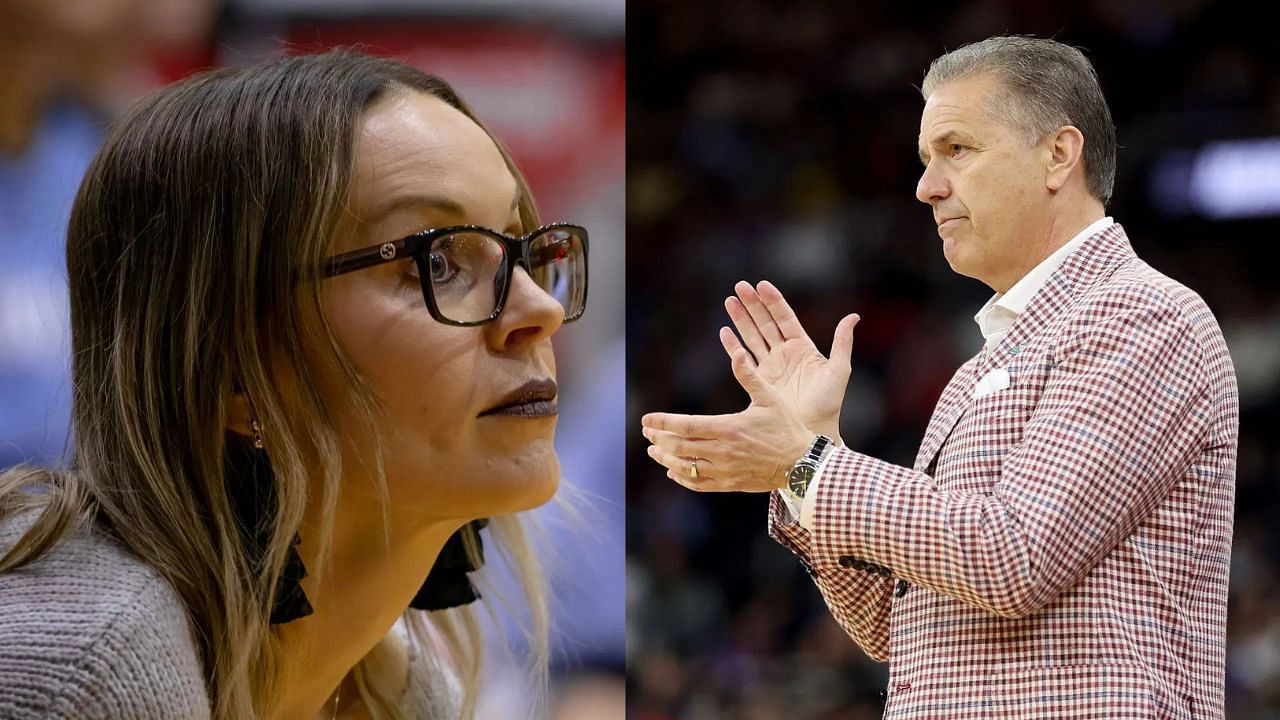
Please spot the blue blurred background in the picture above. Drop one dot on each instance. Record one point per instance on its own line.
(777, 140)
(548, 78)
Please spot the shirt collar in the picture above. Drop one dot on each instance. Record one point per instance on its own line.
(1015, 300)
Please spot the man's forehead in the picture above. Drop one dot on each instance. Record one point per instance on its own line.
(954, 110)
(947, 130)
(962, 98)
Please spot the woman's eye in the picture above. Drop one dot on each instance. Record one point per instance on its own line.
(442, 268)
(956, 149)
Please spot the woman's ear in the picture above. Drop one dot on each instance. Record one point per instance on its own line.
(240, 415)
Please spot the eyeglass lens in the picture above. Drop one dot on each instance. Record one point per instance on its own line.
(467, 272)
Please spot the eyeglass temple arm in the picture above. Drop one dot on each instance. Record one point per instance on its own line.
(364, 258)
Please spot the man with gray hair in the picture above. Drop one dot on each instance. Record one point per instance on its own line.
(1060, 547)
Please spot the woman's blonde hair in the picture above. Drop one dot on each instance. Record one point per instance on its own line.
(194, 256)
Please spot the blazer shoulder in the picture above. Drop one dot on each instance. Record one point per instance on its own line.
(88, 630)
(1136, 286)
(1158, 306)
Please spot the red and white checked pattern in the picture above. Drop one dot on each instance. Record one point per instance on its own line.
(1068, 555)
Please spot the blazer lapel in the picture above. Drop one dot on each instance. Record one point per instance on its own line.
(1092, 261)
(950, 407)
(1051, 300)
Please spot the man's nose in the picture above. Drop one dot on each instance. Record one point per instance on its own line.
(933, 186)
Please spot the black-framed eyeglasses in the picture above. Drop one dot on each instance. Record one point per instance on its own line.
(466, 270)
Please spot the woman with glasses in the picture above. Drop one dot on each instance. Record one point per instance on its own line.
(311, 306)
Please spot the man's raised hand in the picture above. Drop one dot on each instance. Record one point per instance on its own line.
(787, 359)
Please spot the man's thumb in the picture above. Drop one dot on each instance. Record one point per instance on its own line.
(842, 343)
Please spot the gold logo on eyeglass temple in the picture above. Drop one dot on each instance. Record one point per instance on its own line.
(387, 251)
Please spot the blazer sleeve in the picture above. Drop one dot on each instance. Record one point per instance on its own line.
(858, 601)
(1123, 412)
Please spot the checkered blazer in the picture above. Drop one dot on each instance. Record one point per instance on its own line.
(1060, 548)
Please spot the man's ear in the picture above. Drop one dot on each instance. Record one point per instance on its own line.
(239, 415)
(1066, 155)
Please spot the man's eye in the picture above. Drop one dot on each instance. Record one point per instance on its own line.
(956, 148)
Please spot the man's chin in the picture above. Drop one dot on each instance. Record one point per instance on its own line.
(951, 251)
(958, 258)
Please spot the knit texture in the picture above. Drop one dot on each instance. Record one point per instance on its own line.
(88, 631)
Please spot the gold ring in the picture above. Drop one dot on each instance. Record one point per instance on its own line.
(693, 468)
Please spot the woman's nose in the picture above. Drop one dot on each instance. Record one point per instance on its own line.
(529, 316)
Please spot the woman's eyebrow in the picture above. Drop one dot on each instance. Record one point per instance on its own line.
(437, 202)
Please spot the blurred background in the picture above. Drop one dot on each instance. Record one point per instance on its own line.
(777, 140)
(547, 76)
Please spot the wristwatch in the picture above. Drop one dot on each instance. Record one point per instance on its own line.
(805, 468)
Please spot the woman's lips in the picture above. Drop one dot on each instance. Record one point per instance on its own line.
(532, 409)
(535, 398)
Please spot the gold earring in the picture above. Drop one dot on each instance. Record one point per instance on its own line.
(257, 434)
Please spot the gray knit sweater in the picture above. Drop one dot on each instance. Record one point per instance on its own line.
(90, 631)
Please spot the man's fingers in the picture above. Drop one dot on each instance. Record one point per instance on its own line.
(842, 343)
(746, 327)
(701, 484)
(730, 342)
(759, 314)
(744, 370)
(701, 427)
(670, 461)
(684, 447)
(697, 485)
(780, 311)
(682, 467)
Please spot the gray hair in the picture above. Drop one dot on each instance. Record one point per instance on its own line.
(1044, 85)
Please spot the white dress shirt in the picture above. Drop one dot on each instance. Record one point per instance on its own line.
(994, 320)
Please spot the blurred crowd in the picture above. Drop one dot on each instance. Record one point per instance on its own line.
(772, 140)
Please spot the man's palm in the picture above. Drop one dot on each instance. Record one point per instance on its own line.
(788, 362)
(803, 376)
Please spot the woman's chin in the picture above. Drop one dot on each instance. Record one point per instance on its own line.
(539, 487)
(523, 481)
(498, 484)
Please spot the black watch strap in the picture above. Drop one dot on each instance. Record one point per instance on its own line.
(817, 449)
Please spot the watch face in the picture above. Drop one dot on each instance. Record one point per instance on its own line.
(799, 479)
